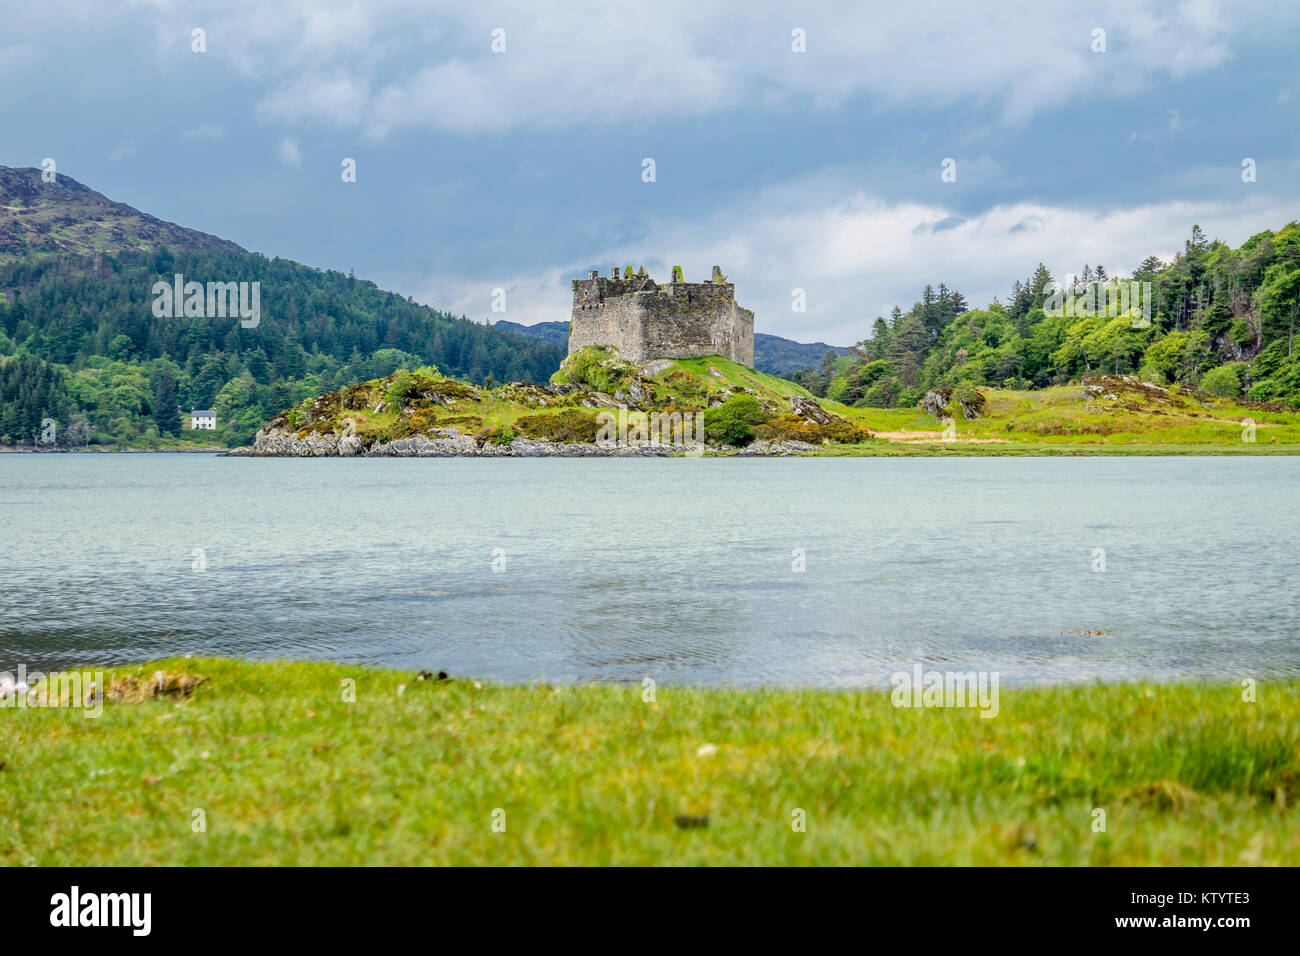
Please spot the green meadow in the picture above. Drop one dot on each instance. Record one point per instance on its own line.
(321, 764)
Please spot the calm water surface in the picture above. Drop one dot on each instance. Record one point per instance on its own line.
(681, 570)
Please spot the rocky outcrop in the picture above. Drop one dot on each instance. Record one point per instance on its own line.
(972, 404)
(440, 443)
(773, 448)
(633, 397)
(970, 400)
(935, 401)
(450, 443)
(809, 410)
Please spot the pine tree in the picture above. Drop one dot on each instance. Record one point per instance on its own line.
(166, 412)
(1148, 269)
(907, 347)
(1040, 286)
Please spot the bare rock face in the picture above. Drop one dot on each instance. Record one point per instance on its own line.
(532, 394)
(439, 443)
(973, 406)
(633, 397)
(445, 443)
(936, 400)
(445, 392)
(282, 443)
(767, 449)
(809, 410)
(598, 400)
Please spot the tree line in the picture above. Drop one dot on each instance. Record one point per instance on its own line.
(1218, 319)
(89, 324)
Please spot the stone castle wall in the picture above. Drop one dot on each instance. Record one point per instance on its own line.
(646, 320)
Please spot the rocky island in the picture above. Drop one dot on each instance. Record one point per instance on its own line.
(599, 404)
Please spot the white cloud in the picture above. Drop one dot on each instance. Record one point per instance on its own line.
(333, 100)
(383, 65)
(856, 256)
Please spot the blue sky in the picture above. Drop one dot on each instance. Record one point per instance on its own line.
(818, 170)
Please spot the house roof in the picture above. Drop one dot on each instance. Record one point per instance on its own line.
(203, 411)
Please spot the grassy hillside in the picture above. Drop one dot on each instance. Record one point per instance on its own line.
(324, 764)
(678, 378)
(1109, 414)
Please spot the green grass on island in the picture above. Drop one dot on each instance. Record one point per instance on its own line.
(282, 769)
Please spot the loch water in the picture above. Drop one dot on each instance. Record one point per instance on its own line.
(796, 572)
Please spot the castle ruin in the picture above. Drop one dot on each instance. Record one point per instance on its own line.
(647, 320)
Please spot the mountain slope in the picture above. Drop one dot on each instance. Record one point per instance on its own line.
(67, 217)
(77, 299)
(778, 356)
(557, 333)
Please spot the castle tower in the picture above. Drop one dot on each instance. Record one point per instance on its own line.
(645, 320)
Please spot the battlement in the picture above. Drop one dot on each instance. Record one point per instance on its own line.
(645, 319)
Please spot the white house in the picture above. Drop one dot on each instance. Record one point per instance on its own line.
(203, 418)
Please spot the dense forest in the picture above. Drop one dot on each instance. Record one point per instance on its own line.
(1220, 320)
(87, 350)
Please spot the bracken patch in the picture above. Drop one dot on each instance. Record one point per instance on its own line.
(173, 684)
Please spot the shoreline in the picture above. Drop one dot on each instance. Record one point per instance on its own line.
(108, 450)
(957, 449)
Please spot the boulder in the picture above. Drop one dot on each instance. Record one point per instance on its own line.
(935, 401)
(809, 410)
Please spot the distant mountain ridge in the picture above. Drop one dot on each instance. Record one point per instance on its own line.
(67, 217)
(778, 356)
(772, 353)
(557, 333)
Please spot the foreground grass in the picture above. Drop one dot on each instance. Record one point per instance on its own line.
(285, 771)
